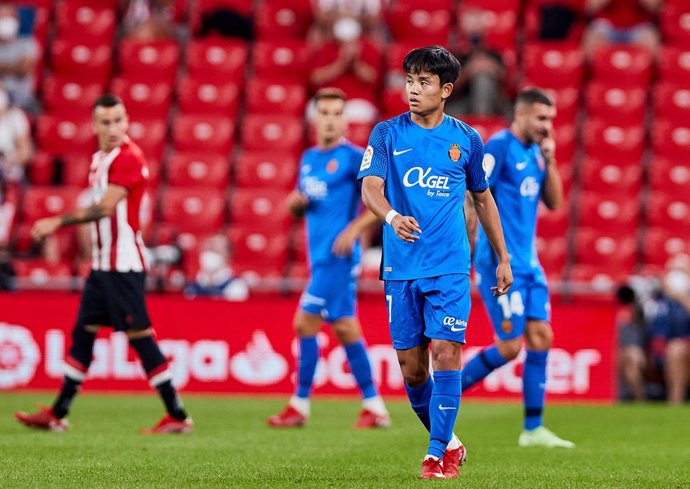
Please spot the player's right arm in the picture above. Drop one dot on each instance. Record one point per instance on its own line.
(376, 202)
(487, 213)
(297, 203)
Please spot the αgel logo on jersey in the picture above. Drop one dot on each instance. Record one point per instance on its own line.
(416, 176)
(315, 188)
(529, 188)
(456, 324)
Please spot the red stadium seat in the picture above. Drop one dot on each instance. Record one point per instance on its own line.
(359, 133)
(674, 20)
(660, 244)
(63, 96)
(217, 60)
(623, 144)
(668, 212)
(196, 96)
(192, 133)
(554, 65)
(394, 102)
(251, 207)
(609, 102)
(271, 96)
(607, 250)
(671, 177)
(47, 201)
(74, 59)
(566, 142)
(552, 254)
(75, 169)
(41, 169)
(672, 100)
(486, 126)
(497, 21)
(60, 135)
(150, 136)
(430, 22)
(198, 170)
(552, 224)
(671, 140)
(567, 104)
(281, 19)
(149, 99)
(149, 60)
(613, 213)
(266, 170)
(394, 55)
(87, 23)
(629, 65)
(267, 132)
(40, 274)
(194, 210)
(602, 177)
(674, 64)
(600, 280)
(258, 250)
(287, 58)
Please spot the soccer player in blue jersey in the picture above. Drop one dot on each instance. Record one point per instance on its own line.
(415, 172)
(328, 194)
(521, 165)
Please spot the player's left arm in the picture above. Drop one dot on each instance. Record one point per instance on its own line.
(345, 241)
(105, 208)
(487, 213)
(552, 189)
(470, 221)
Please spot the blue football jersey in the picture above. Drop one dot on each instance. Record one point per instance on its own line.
(516, 174)
(329, 180)
(426, 173)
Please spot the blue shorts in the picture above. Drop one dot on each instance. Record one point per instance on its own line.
(528, 298)
(428, 308)
(332, 290)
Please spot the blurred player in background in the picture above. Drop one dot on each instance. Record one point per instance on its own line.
(415, 172)
(521, 166)
(113, 294)
(328, 194)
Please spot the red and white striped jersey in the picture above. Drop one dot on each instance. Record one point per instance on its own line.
(117, 244)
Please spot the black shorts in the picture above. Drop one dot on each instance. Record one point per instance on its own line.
(114, 299)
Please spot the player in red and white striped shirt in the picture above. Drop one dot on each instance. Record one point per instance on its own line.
(114, 291)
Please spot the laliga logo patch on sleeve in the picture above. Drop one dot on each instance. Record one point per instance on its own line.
(366, 159)
(488, 164)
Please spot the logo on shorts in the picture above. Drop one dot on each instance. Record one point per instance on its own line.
(456, 324)
(454, 152)
(507, 326)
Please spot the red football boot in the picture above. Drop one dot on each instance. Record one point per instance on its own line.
(287, 418)
(169, 425)
(453, 460)
(432, 469)
(44, 419)
(369, 419)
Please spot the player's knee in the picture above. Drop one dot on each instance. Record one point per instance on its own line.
(510, 349)
(347, 331)
(539, 336)
(413, 372)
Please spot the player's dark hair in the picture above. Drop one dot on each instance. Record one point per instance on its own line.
(534, 95)
(330, 93)
(433, 59)
(107, 100)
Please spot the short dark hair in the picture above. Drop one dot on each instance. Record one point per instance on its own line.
(330, 93)
(433, 59)
(534, 95)
(107, 100)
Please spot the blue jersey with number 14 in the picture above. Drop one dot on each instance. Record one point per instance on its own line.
(426, 173)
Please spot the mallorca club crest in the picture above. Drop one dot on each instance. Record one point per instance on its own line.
(332, 166)
(454, 152)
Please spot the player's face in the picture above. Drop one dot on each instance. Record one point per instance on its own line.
(425, 93)
(536, 121)
(329, 121)
(110, 125)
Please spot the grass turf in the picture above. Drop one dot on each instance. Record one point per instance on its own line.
(617, 446)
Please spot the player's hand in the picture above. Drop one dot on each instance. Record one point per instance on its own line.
(345, 242)
(405, 226)
(548, 148)
(504, 279)
(45, 227)
(297, 202)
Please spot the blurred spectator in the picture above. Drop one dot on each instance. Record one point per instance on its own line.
(351, 63)
(654, 334)
(18, 57)
(227, 22)
(149, 20)
(558, 18)
(7, 273)
(621, 22)
(15, 140)
(369, 13)
(480, 89)
(215, 277)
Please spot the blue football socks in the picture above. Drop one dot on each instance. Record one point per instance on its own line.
(534, 387)
(443, 409)
(308, 359)
(361, 368)
(420, 397)
(481, 365)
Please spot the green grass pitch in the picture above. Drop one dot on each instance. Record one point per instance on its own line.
(646, 446)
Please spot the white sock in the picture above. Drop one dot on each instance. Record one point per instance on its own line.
(454, 443)
(432, 457)
(301, 404)
(375, 405)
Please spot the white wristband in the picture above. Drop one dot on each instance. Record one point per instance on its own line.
(391, 214)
